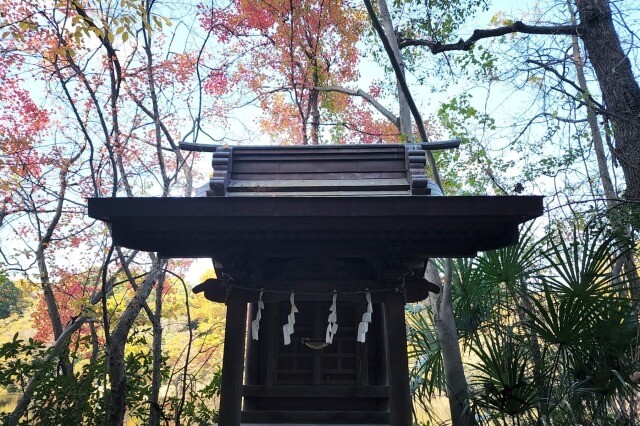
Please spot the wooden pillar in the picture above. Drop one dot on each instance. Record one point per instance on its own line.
(233, 359)
(397, 362)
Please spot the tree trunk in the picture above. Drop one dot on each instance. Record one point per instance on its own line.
(45, 279)
(315, 118)
(305, 136)
(442, 305)
(115, 355)
(619, 87)
(598, 145)
(314, 99)
(155, 413)
(47, 291)
(404, 110)
(613, 205)
(455, 380)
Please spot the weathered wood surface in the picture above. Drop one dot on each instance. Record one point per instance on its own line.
(321, 171)
(290, 380)
(416, 289)
(316, 391)
(315, 417)
(233, 359)
(400, 404)
(364, 226)
(317, 185)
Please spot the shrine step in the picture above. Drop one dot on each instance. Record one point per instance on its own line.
(316, 417)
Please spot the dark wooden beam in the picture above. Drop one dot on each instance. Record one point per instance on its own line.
(316, 417)
(397, 362)
(316, 391)
(364, 226)
(233, 359)
(198, 147)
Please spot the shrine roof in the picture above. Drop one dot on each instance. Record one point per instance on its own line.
(285, 226)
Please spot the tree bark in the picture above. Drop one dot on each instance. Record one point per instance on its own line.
(314, 99)
(404, 113)
(455, 380)
(403, 84)
(613, 205)
(619, 87)
(367, 97)
(115, 354)
(43, 244)
(41, 260)
(592, 119)
(155, 411)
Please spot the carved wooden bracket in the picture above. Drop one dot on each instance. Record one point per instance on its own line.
(221, 172)
(417, 161)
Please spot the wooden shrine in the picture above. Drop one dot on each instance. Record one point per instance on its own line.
(291, 230)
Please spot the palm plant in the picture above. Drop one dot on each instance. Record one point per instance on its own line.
(503, 380)
(551, 332)
(510, 361)
(427, 372)
(587, 324)
(474, 298)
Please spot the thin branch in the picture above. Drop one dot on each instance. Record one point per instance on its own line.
(564, 119)
(104, 39)
(188, 354)
(569, 82)
(587, 100)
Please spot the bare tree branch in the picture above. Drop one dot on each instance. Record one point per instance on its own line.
(516, 27)
(104, 39)
(364, 95)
